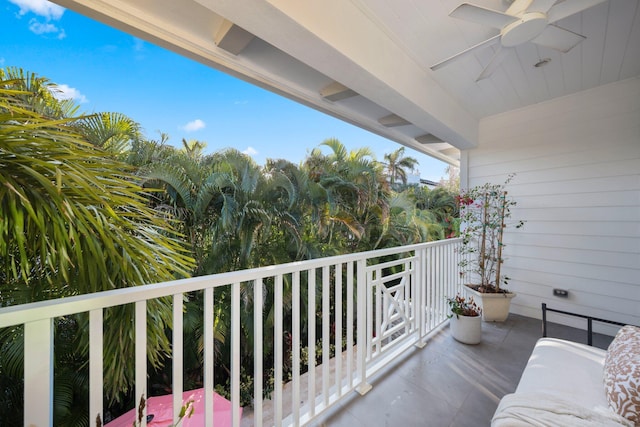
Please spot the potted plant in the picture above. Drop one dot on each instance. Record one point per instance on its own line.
(465, 323)
(485, 211)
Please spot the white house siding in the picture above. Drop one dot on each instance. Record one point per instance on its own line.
(577, 185)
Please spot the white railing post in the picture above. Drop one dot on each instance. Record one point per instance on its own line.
(141, 358)
(38, 373)
(235, 354)
(277, 350)
(362, 321)
(419, 297)
(338, 329)
(258, 306)
(208, 356)
(177, 349)
(350, 324)
(295, 347)
(326, 318)
(311, 339)
(428, 287)
(96, 362)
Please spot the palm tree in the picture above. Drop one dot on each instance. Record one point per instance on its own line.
(193, 148)
(409, 224)
(73, 221)
(250, 207)
(144, 152)
(113, 132)
(441, 202)
(356, 195)
(397, 164)
(238, 216)
(36, 94)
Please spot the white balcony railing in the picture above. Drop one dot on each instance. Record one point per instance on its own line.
(387, 301)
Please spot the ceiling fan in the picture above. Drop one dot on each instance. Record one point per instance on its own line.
(524, 21)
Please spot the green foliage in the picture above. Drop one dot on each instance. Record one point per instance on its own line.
(442, 203)
(73, 222)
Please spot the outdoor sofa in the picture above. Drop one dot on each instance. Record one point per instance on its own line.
(571, 384)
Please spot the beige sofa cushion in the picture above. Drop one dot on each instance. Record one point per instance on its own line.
(567, 370)
(622, 373)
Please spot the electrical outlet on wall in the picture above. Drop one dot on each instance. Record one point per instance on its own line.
(561, 293)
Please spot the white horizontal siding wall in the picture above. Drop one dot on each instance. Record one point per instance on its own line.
(577, 184)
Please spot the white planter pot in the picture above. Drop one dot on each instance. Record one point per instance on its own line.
(495, 307)
(466, 329)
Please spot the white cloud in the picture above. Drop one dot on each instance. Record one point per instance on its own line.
(42, 8)
(2, 61)
(194, 125)
(250, 151)
(45, 28)
(66, 92)
(37, 27)
(47, 12)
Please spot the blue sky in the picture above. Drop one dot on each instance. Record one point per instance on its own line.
(104, 69)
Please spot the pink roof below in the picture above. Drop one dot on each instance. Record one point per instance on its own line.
(161, 409)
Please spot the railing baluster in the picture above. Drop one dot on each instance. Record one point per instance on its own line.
(258, 307)
(141, 358)
(96, 364)
(311, 339)
(379, 306)
(350, 296)
(177, 350)
(409, 292)
(338, 330)
(368, 314)
(428, 265)
(441, 285)
(363, 331)
(278, 348)
(295, 344)
(208, 356)
(419, 295)
(235, 354)
(326, 319)
(38, 373)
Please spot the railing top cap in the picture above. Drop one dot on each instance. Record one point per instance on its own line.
(20, 314)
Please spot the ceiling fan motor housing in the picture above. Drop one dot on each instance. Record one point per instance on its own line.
(525, 29)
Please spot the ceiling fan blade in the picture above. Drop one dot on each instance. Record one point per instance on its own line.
(558, 38)
(466, 52)
(497, 58)
(517, 7)
(541, 5)
(482, 15)
(570, 7)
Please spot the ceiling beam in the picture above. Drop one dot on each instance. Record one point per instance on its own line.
(393, 120)
(451, 152)
(428, 139)
(335, 91)
(231, 37)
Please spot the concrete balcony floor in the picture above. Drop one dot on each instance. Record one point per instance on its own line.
(447, 383)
